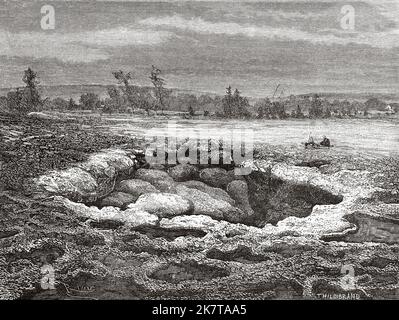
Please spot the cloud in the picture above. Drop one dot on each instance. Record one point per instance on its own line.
(85, 47)
(123, 37)
(389, 39)
(294, 15)
(389, 10)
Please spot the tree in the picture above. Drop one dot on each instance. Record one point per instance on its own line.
(273, 110)
(375, 104)
(280, 110)
(124, 78)
(395, 107)
(146, 101)
(191, 101)
(159, 90)
(298, 112)
(3, 103)
(205, 100)
(108, 106)
(183, 101)
(27, 99)
(31, 98)
(60, 104)
(240, 105)
(327, 113)
(263, 108)
(227, 103)
(316, 109)
(14, 99)
(115, 102)
(72, 104)
(191, 110)
(89, 101)
(234, 105)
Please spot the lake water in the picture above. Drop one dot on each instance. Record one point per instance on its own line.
(366, 136)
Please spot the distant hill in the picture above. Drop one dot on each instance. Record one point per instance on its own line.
(387, 97)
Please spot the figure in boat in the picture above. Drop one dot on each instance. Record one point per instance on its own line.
(324, 143)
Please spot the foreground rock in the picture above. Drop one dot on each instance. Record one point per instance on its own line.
(103, 163)
(374, 223)
(107, 166)
(183, 172)
(159, 179)
(163, 204)
(204, 204)
(216, 193)
(136, 187)
(110, 253)
(118, 199)
(238, 190)
(113, 251)
(87, 182)
(332, 198)
(217, 177)
(75, 184)
(132, 216)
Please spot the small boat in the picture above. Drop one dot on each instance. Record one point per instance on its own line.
(325, 143)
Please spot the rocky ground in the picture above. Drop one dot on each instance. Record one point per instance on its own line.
(88, 210)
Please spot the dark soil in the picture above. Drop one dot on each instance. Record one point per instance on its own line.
(44, 145)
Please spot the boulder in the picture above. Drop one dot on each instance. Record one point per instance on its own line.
(137, 218)
(118, 199)
(217, 177)
(159, 179)
(106, 167)
(216, 193)
(167, 185)
(238, 190)
(74, 183)
(136, 187)
(374, 223)
(151, 175)
(204, 204)
(157, 166)
(132, 216)
(88, 181)
(122, 161)
(183, 172)
(163, 204)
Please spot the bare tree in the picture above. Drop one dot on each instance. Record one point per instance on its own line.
(123, 78)
(31, 97)
(158, 83)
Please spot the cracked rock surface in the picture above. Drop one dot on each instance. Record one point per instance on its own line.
(112, 229)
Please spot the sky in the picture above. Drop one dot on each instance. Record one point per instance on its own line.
(206, 46)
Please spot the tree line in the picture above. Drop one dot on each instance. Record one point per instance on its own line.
(127, 97)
